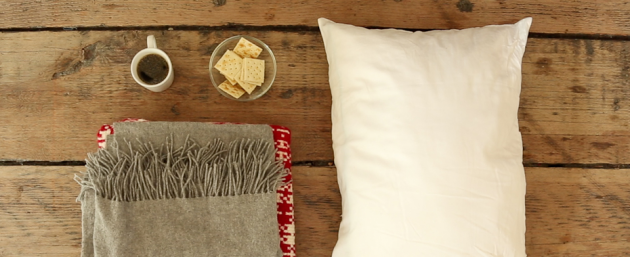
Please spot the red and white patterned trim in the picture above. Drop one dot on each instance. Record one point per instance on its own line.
(286, 220)
(107, 129)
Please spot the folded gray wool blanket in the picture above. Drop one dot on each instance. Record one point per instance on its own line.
(182, 189)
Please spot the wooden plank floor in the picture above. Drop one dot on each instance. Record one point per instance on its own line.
(576, 16)
(64, 71)
(570, 212)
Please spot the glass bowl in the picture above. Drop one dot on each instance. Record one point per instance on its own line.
(270, 67)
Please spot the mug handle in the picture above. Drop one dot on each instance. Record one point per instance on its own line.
(151, 42)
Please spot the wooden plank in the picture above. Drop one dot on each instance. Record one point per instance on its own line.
(317, 205)
(59, 87)
(579, 16)
(570, 212)
(574, 101)
(577, 212)
(38, 212)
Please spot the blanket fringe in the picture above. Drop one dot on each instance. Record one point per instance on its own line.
(142, 172)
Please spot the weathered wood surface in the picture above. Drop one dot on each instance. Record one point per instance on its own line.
(574, 101)
(57, 88)
(38, 212)
(570, 212)
(579, 16)
(578, 212)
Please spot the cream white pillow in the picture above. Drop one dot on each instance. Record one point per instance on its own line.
(426, 140)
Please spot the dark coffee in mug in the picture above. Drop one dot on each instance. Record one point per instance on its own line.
(152, 69)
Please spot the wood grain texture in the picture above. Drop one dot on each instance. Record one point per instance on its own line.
(317, 204)
(576, 212)
(570, 212)
(59, 87)
(574, 101)
(62, 87)
(579, 16)
(38, 212)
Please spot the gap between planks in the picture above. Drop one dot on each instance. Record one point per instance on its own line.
(286, 28)
(330, 163)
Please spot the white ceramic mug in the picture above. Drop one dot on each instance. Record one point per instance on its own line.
(152, 49)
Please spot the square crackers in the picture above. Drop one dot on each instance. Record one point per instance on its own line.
(244, 48)
(242, 71)
(230, 64)
(233, 90)
(253, 71)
